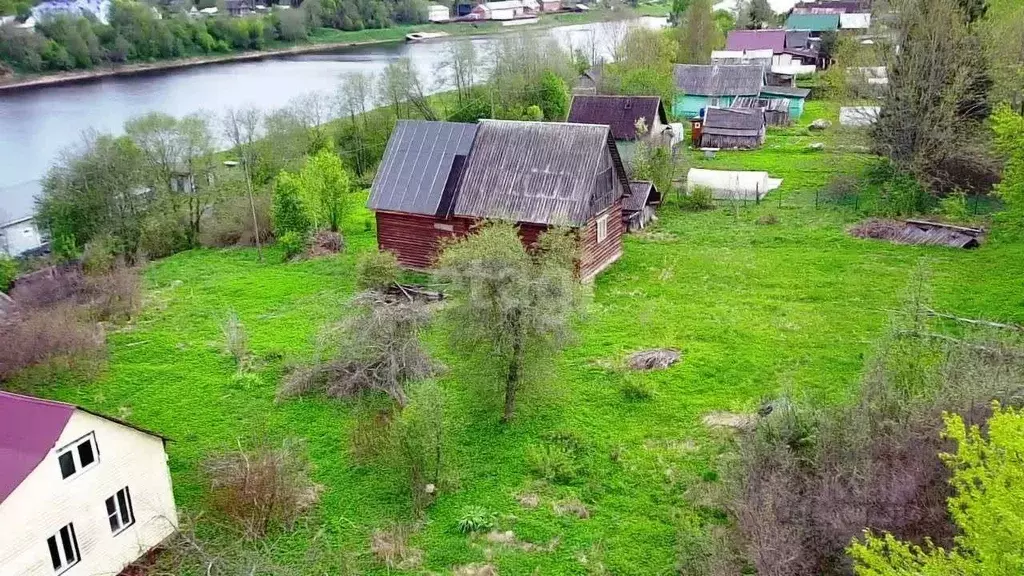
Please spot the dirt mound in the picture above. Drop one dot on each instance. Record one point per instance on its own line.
(657, 359)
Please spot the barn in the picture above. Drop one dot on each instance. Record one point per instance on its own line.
(621, 114)
(733, 128)
(440, 179)
(700, 86)
(639, 207)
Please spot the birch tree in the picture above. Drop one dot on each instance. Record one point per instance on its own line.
(241, 128)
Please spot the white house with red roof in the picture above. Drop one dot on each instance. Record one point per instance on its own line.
(80, 493)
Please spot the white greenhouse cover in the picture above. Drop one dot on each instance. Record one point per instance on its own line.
(858, 115)
(855, 21)
(732, 184)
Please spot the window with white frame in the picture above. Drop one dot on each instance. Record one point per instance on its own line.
(63, 547)
(602, 228)
(119, 511)
(78, 456)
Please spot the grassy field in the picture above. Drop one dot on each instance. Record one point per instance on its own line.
(757, 309)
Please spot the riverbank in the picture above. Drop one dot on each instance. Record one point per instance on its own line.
(321, 41)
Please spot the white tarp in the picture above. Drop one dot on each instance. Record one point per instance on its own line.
(796, 69)
(858, 115)
(732, 184)
(854, 21)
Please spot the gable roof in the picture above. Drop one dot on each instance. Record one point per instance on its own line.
(719, 79)
(813, 22)
(619, 112)
(797, 39)
(734, 121)
(29, 429)
(536, 172)
(756, 40)
(642, 193)
(421, 166)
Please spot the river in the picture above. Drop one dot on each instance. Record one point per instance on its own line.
(37, 124)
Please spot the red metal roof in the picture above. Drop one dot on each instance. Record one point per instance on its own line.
(29, 428)
(756, 40)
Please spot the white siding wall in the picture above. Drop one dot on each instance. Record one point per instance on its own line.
(44, 502)
(21, 237)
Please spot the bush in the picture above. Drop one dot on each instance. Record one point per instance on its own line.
(698, 199)
(377, 270)
(418, 440)
(99, 255)
(475, 519)
(954, 207)
(48, 336)
(115, 296)
(48, 286)
(163, 235)
(231, 223)
(560, 459)
(262, 488)
(8, 272)
(290, 215)
(293, 243)
(236, 341)
(325, 243)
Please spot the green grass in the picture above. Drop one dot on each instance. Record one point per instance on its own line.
(757, 309)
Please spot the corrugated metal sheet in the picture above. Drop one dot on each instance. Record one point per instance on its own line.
(775, 40)
(619, 112)
(813, 22)
(540, 172)
(718, 79)
(797, 39)
(643, 193)
(787, 91)
(759, 57)
(417, 164)
(737, 121)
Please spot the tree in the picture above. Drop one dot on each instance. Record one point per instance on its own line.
(291, 215)
(554, 97)
(395, 84)
(241, 127)
(512, 306)
(643, 65)
(988, 476)
(458, 68)
(759, 14)
(1008, 131)
(675, 15)
(325, 186)
(698, 34)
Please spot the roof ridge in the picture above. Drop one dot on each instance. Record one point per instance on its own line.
(36, 399)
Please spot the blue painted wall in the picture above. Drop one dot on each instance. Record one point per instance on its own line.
(687, 106)
(796, 105)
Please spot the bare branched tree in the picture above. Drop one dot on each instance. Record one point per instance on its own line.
(458, 68)
(241, 127)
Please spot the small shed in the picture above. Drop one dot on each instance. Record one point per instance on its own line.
(589, 82)
(438, 13)
(699, 86)
(733, 128)
(732, 184)
(621, 114)
(638, 210)
(795, 96)
(776, 110)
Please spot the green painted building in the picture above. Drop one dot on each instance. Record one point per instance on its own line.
(814, 23)
(699, 86)
(796, 97)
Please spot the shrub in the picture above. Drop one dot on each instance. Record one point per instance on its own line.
(48, 336)
(231, 223)
(48, 286)
(418, 440)
(99, 255)
(325, 243)
(290, 215)
(391, 548)
(902, 195)
(560, 459)
(954, 207)
(263, 487)
(114, 296)
(236, 341)
(8, 272)
(371, 435)
(769, 219)
(293, 243)
(475, 519)
(377, 270)
(698, 199)
(841, 188)
(163, 235)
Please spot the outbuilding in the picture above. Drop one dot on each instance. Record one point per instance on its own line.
(80, 493)
(438, 180)
(814, 24)
(438, 13)
(638, 209)
(733, 128)
(700, 86)
(623, 114)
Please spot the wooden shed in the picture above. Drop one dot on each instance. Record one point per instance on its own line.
(776, 110)
(440, 179)
(639, 207)
(701, 86)
(736, 128)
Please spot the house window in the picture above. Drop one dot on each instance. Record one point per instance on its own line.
(602, 228)
(63, 547)
(78, 456)
(119, 511)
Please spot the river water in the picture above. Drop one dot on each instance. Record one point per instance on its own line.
(36, 125)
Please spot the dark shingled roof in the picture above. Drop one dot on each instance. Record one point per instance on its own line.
(719, 79)
(734, 121)
(619, 112)
(538, 172)
(642, 193)
(756, 40)
(421, 167)
(788, 91)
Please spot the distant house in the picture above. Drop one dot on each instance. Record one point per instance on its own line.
(20, 236)
(795, 96)
(80, 493)
(815, 24)
(621, 114)
(238, 7)
(763, 58)
(639, 207)
(701, 86)
(438, 13)
(749, 40)
(733, 128)
(438, 180)
(504, 10)
(551, 5)
(832, 6)
(589, 82)
(791, 54)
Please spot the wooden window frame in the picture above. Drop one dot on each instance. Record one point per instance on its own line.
(602, 228)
